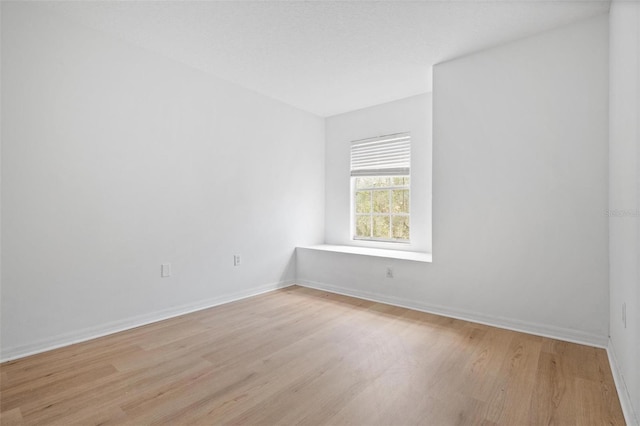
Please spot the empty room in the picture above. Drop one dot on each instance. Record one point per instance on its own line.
(320, 212)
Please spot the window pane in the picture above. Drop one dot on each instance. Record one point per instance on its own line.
(373, 182)
(380, 182)
(400, 201)
(363, 226)
(381, 227)
(401, 227)
(381, 201)
(363, 201)
(401, 181)
(364, 182)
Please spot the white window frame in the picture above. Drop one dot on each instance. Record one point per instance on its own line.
(381, 165)
(371, 214)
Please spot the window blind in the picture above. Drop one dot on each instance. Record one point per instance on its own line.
(388, 155)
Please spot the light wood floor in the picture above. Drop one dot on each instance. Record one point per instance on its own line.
(308, 357)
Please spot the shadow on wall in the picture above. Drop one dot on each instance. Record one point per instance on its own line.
(289, 272)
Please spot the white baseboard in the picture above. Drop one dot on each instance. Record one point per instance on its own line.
(90, 333)
(623, 393)
(569, 335)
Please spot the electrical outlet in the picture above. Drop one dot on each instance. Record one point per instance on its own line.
(236, 259)
(389, 272)
(165, 270)
(624, 315)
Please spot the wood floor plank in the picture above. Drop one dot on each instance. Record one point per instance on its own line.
(14, 397)
(482, 369)
(308, 357)
(551, 402)
(515, 382)
(116, 389)
(11, 417)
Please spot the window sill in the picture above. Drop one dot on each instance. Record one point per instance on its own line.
(366, 251)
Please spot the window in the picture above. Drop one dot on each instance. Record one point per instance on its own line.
(380, 182)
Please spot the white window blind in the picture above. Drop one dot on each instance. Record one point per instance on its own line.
(388, 155)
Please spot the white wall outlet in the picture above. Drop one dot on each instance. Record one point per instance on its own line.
(236, 259)
(165, 270)
(389, 272)
(624, 314)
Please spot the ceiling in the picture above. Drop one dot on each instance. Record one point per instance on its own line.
(325, 57)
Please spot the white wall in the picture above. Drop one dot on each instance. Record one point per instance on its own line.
(406, 115)
(519, 193)
(116, 160)
(624, 196)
